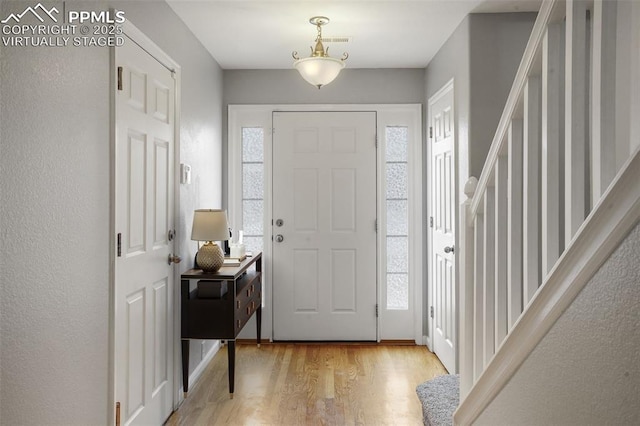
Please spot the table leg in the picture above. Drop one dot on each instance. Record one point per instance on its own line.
(259, 322)
(232, 364)
(185, 366)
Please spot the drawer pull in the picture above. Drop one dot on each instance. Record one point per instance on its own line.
(238, 304)
(248, 292)
(239, 323)
(249, 310)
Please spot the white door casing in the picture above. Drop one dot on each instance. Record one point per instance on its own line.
(324, 191)
(442, 182)
(144, 214)
(393, 324)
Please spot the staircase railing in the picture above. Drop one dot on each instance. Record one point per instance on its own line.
(559, 191)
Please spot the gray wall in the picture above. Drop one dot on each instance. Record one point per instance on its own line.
(497, 42)
(54, 257)
(353, 86)
(586, 370)
(54, 190)
(482, 57)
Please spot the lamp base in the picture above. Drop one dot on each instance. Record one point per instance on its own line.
(209, 258)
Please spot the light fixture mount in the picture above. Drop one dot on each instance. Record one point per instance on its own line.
(319, 69)
(319, 20)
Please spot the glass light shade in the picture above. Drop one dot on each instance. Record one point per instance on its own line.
(319, 71)
(210, 225)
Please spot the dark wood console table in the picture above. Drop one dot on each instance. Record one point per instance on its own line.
(219, 307)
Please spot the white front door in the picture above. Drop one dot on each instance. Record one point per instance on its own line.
(324, 212)
(144, 215)
(443, 231)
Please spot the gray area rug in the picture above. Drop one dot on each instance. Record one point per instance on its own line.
(440, 397)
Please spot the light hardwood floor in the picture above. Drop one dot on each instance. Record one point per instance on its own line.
(312, 384)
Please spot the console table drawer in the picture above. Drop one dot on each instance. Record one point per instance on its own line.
(248, 292)
(246, 310)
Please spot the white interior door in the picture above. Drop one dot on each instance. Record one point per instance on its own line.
(144, 216)
(443, 232)
(324, 248)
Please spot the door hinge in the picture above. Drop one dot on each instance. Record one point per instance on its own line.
(430, 132)
(376, 142)
(119, 78)
(377, 311)
(431, 221)
(119, 244)
(431, 312)
(117, 413)
(375, 226)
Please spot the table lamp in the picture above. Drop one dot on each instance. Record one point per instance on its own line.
(210, 226)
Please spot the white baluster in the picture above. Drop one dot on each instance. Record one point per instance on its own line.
(501, 218)
(478, 295)
(552, 144)
(531, 188)
(603, 102)
(489, 282)
(466, 257)
(514, 228)
(576, 95)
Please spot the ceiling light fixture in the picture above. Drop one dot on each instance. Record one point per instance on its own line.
(319, 69)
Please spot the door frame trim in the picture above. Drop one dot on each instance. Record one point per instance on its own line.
(387, 115)
(132, 33)
(449, 85)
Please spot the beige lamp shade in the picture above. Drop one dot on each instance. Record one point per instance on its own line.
(210, 225)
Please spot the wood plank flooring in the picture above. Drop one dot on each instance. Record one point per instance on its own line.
(312, 384)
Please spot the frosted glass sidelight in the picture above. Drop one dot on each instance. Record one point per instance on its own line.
(397, 291)
(252, 181)
(397, 194)
(397, 217)
(252, 144)
(252, 218)
(253, 244)
(253, 187)
(396, 138)
(397, 181)
(397, 254)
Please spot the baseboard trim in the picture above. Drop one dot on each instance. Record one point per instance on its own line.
(427, 341)
(402, 342)
(197, 372)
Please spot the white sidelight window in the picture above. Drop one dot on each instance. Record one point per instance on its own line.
(397, 205)
(253, 188)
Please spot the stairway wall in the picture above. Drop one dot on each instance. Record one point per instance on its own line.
(587, 369)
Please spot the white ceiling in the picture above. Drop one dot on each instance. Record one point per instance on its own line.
(261, 34)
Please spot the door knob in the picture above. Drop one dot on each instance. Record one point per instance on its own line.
(279, 238)
(279, 222)
(448, 249)
(174, 259)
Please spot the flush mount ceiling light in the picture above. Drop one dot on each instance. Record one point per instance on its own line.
(319, 69)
